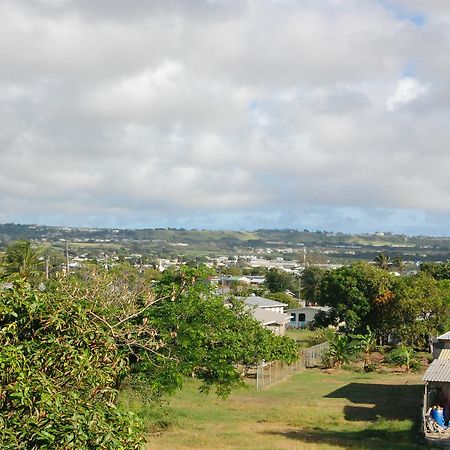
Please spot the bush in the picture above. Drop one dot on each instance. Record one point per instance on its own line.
(403, 356)
(58, 372)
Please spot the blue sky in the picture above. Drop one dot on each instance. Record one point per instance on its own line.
(237, 114)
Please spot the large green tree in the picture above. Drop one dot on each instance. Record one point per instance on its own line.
(280, 281)
(59, 370)
(310, 282)
(360, 295)
(203, 338)
(421, 308)
(65, 351)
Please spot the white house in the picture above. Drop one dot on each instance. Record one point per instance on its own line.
(302, 317)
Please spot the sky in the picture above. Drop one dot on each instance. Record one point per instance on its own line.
(226, 114)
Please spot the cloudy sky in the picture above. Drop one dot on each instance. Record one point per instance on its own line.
(243, 114)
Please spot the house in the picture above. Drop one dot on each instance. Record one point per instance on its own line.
(302, 317)
(437, 389)
(271, 320)
(269, 313)
(265, 303)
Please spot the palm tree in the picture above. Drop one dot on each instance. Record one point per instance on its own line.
(382, 261)
(399, 264)
(21, 259)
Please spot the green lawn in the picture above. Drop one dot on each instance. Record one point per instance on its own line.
(311, 410)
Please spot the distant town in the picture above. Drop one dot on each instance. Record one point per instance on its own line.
(289, 250)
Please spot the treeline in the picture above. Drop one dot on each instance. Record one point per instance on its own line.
(69, 343)
(408, 309)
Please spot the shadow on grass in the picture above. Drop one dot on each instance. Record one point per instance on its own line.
(363, 440)
(379, 403)
(392, 402)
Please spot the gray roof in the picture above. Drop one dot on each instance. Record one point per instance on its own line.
(438, 371)
(262, 302)
(444, 337)
(267, 317)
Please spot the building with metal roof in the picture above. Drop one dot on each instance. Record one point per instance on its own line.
(438, 371)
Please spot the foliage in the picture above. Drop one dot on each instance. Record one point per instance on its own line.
(382, 261)
(58, 373)
(360, 295)
(311, 279)
(21, 259)
(283, 297)
(203, 338)
(341, 350)
(403, 356)
(421, 309)
(367, 343)
(280, 281)
(65, 350)
(439, 271)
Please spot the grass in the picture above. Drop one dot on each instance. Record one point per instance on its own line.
(311, 410)
(305, 338)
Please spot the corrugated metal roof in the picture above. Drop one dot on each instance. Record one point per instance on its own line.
(444, 354)
(444, 337)
(439, 371)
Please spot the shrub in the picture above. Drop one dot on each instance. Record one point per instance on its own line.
(403, 356)
(58, 372)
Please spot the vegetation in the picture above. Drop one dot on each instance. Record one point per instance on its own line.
(58, 374)
(68, 346)
(411, 309)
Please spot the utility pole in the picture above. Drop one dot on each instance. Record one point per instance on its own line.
(67, 258)
(299, 289)
(46, 268)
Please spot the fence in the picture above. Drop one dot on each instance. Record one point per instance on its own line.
(266, 374)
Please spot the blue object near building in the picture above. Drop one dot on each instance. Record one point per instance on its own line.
(438, 416)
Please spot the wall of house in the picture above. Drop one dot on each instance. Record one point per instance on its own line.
(301, 317)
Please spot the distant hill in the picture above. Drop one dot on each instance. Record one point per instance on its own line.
(286, 242)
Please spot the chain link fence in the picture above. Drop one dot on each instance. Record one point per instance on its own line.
(266, 374)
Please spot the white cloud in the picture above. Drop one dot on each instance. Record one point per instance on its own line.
(246, 109)
(407, 91)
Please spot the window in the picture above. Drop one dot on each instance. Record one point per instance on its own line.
(301, 317)
(293, 317)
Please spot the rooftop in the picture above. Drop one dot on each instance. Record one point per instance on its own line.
(262, 302)
(444, 337)
(438, 371)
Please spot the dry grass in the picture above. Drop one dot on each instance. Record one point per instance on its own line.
(311, 410)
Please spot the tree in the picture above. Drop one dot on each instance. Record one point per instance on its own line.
(311, 279)
(23, 260)
(279, 281)
(439, 271)
(203, 338)
(65, 351)
(398, 263)
(367, 343)
(421, 309)
(341, 350)
(58, 374)
(360, 295)
(382, 261)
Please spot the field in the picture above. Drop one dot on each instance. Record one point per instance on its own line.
(311, 410)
